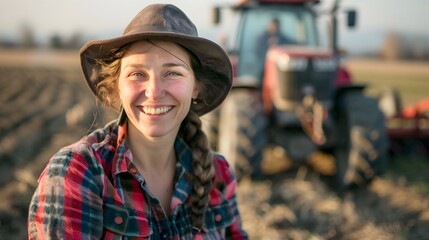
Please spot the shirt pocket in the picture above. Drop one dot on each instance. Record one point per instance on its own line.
(218, 217)
(122, 223)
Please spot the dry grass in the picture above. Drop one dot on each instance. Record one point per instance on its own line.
(411, 79)
(39, 58)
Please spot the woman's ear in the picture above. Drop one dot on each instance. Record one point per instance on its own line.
(197, 89)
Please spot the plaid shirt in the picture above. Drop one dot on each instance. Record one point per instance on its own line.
(91, 190)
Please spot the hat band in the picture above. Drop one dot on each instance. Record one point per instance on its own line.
(150, 29)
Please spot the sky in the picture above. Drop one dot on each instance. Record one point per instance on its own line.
(107, 18)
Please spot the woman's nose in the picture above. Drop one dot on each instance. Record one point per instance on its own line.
(154, 88)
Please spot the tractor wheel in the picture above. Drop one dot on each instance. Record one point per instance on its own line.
(363, 144)
(242, 132)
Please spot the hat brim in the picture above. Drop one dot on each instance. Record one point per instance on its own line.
(211, 56)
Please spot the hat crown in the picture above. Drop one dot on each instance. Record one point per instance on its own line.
(162, 18)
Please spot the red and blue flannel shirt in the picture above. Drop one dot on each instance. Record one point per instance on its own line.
(91, 190)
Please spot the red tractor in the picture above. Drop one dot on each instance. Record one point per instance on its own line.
(292, 94)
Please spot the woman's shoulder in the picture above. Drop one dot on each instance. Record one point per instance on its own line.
(222, 196)
(224, 174)
(97, 138)
(83, 155)
(106, 135)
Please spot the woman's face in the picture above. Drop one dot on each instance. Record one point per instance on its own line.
(156, 87)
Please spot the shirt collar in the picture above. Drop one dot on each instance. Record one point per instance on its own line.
(123, 153)
(183, 153)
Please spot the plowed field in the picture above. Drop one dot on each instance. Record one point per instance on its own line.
(46, 106)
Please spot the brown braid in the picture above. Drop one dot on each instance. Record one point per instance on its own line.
(203, 170)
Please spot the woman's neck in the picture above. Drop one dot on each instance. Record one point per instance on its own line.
(151, 154)
(155, 159)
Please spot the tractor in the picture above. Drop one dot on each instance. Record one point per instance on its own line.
(295, 95)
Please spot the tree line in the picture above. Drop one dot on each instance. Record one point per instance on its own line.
(405, 46)
(27, 40)
(396, 46)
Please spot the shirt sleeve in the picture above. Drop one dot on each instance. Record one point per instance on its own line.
(67, 203)
(226, 181)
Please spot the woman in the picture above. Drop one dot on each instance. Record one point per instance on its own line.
(151, 173)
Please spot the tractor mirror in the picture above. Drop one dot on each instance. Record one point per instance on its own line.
(216, 15)
(351, 18)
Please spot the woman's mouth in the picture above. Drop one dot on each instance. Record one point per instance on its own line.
(156, 110)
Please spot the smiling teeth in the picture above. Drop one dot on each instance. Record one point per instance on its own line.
(156, 111)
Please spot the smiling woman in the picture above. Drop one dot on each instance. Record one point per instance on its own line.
(150, 174)
(156, 95)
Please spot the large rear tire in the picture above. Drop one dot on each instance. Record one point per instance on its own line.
(362, 152)
(242, 132)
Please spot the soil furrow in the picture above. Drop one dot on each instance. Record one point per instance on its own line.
(27, 139)
(19, 112)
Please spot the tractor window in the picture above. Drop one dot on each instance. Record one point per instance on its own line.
(296, 25)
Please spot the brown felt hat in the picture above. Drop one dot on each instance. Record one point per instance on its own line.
(167, 23)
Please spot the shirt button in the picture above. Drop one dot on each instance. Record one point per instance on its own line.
(218, 218)
(133, 170)
(118, 220)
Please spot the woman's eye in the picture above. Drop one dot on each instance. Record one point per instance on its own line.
(136, 74)
(174, 74)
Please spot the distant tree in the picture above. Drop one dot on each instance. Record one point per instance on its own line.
(393, 46)
(6, 43)
(56, 42)
(405, 46)
(26, 39)
(420, 47)
(75, 41)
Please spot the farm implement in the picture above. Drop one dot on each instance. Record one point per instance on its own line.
(407, 127)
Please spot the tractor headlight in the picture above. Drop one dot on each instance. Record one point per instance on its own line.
(326, 64)
(286, 63)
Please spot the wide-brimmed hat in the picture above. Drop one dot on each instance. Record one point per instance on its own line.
(166, 22)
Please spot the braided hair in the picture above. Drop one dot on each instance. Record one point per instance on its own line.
(202, 166)
(191, 132)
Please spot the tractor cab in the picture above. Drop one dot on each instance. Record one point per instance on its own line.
(296, 26)
(264, 24)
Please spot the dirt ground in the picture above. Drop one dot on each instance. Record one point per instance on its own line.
(44, 108)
